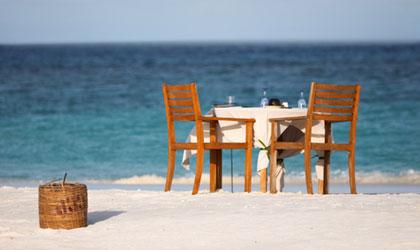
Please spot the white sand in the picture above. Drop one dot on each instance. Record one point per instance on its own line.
(123, 219)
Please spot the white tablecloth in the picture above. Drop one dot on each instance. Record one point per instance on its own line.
(229, 131)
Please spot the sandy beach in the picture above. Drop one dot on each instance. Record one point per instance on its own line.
(132, 98)
(141, 219)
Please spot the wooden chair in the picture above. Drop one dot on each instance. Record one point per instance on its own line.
(182, 105)
(328, 103)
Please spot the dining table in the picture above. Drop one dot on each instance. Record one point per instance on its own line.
(231, 131)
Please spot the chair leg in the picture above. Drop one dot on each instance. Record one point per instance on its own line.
(308, 172)
(352, 172)
(198, 170)
(171, 168)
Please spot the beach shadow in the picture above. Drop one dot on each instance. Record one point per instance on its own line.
(97, 216)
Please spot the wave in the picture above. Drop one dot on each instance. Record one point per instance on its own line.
(337, 177)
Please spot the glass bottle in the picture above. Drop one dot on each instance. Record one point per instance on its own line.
(301, 102)
(264, 99)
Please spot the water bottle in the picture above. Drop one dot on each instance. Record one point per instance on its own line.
(264, 99)
(301, 102)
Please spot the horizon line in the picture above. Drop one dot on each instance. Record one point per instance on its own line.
(227, 42)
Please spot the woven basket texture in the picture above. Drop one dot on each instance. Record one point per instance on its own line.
(63, 206)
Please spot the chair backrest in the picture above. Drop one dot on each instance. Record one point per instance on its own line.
(335, 103)
(182, 104)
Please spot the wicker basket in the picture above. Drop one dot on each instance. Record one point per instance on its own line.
(63, 206)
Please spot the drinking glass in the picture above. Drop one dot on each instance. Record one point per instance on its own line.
(231, 99)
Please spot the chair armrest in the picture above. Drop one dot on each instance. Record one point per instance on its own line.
(292, 118)
(208, 119)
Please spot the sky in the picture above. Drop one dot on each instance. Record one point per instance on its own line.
(84, 21)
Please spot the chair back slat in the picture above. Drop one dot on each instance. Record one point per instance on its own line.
(333, 87)
(333, 118)
(333, 102)
(181, 87)
(335, 95)
(187, 118)
(320, 109)
(180, 94)
(180, 103)
(182, 111)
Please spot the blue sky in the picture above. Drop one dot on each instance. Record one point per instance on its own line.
(63, 21)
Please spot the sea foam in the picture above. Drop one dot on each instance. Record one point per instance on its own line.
(337, 177)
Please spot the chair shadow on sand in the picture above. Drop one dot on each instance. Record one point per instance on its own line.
(97, 216)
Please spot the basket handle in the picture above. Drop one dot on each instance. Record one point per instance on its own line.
(64, 180)
(55, 180)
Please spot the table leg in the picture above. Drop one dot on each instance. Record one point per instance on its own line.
(326, 171)
(323, 183)
(327, 156)
(248, 157)
(213, 170)
(219, 174)
(213, 159)
(320, 172)
(263, 180)
(273, 157)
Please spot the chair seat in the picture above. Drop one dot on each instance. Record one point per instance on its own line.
(290, 145)
(314, 146)
(214, 145)
(230, 145)
(184, 145)
(331, 146)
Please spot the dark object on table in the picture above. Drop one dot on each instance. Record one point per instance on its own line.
(274, 102)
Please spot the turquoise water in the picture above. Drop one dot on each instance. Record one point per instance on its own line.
(96, 111)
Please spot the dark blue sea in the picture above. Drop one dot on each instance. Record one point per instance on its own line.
(96, 111)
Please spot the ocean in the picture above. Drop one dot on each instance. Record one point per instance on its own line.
(96, 111)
